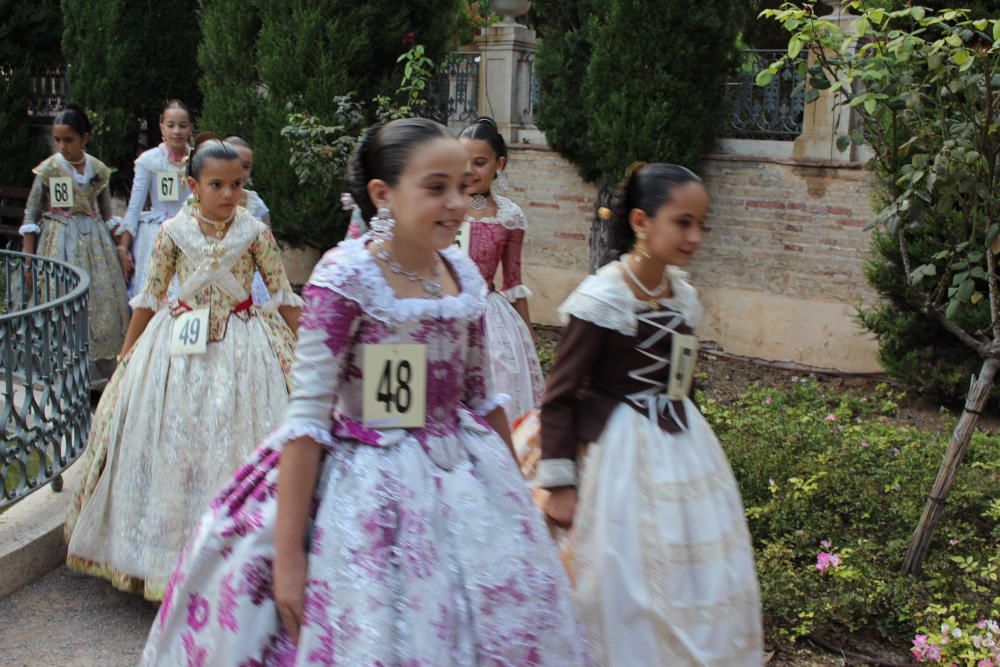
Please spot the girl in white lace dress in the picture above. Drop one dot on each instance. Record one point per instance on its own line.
(496, 236)
(204, 378)
(159, 179)
(664, 572)
(385, 522)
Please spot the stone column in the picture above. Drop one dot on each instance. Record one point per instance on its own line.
(507, 50)
(822, 121)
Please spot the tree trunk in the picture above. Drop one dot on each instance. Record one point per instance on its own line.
(600, 231)
(934, 507)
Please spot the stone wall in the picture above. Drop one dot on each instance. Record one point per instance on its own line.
(780, 272)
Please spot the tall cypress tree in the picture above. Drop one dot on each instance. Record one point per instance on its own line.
(125, 59)
(270, 56)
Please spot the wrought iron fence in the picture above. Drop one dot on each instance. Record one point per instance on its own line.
(454, 94)
(49, 91)
(45, 407)
(769, 112)
(532, 92)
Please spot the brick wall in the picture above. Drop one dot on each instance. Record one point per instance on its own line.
(780, 272)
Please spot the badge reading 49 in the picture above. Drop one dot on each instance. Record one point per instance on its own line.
(683, 356)
(61, 192)
(395, 385)
(463, 237)
(189, 334)
(168, 185)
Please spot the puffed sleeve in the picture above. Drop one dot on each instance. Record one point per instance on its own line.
(33, 208)
(578, 351)
(326, 335)
(162, 266)
(513, 288)
(137, 200)
(479, 392)
(267, 257)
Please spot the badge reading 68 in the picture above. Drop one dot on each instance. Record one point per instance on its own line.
(395, 385)
(189, 334)
(61, 192)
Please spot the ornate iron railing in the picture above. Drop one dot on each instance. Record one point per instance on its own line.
(532, 91)
(454, 93)
(49, 91)
(45, 406)
(770, 112)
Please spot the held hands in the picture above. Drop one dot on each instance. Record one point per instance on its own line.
(561, 506)
(289, 590)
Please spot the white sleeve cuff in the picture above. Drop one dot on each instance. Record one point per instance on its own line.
(295, 429)
(517, 292)
(29, 228)
(146, 300)
(556, 472)
(491, 403)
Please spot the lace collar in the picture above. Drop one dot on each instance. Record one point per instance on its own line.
(508, 215)
(606, 300)
(351, 271)
(155, 159)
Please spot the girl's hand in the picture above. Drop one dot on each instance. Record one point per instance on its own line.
(125, 259)
(561, 506)
(289, 590)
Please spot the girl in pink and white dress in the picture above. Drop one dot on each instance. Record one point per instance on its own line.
(497, 227)
(385, 522)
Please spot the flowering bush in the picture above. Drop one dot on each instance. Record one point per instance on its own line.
(833, 483)
(473, 17)
(978, 645)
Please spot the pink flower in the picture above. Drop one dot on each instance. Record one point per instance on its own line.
(933, 652)
(864, 399)
(822, 561)
(952, 542)
(767, 401)
(831, 417)
(864, 443)
(834, 560)
(985, 663)
(826, 544)
(795, 378)
(409, 38)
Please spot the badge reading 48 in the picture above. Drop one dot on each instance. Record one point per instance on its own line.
(168, 185)
(189, 334)
(61, 192)
(683, 357)
(395, 385)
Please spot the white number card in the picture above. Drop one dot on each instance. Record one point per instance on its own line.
(168, 185)
(683, 356)
(189, 334)
(395, 385)
(463, 237)
(61, 192)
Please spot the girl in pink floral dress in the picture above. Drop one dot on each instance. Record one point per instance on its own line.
(496, 235)
(385, 523)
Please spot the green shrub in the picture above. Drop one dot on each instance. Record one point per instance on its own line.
(126, 59)
(816, 466)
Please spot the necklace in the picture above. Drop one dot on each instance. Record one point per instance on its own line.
(218, 225)
(653, 294)
(78, 162)
(431, 285)
(479, 202)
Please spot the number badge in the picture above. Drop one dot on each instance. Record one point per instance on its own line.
(463, 237)
(683, 356)
(395, 385)
(168, 185)
(61, 192)
(189, 334)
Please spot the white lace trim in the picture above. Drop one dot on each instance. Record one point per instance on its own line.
(350, 270)
(508, 215)
(605, 299)
(517, 292)
(286, 297)
(492, 403)
(29, 228)
(294, 430)
(556, 472)
(155, 159)
(146, 300)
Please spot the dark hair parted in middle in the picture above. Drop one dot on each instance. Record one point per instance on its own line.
(208, 146)
(485, 128)
(74, 117)
(383, 152)
(646, 187)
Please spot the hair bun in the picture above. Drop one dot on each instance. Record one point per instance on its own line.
(486, 120)
(605, 213)
(206, 136)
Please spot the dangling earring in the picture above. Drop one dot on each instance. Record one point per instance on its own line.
(640, 245)
(502, 180)
(382, 224)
